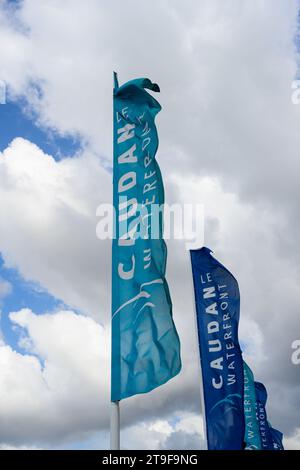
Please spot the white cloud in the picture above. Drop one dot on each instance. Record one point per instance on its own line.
(176, 431)
(253, 343)
(190, 423)
(59, 387)
(9, 447)
(292, 442)
(48, 223)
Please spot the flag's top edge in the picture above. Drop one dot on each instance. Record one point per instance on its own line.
(141, 83)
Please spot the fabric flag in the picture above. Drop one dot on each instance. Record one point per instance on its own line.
(277, 437)
(217, 308)
(145, 344)
(252, 433)
(271, 439)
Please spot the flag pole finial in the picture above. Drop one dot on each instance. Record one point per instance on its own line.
(116, 83)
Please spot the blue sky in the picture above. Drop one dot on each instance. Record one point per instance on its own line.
(23, 295)
(17, 121)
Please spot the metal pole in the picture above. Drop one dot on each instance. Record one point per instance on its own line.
(115, 426)
(115, 405)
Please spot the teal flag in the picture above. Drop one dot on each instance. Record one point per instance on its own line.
(252, 432)
(145, 344)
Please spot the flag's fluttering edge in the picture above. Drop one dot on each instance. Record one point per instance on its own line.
(145, 344)
(217, 308)
(259, 434)
(271, 438)
(277, 438)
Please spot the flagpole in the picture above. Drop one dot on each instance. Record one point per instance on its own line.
(115, 405)
(115, 425)
(199, 362)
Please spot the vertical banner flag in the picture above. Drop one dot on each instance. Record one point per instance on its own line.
(145, 344)
(277, 437)
(271, 439)
(252, 433)
(218, 309)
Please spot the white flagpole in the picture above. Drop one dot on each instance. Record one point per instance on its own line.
(199, 361)
(115, 425)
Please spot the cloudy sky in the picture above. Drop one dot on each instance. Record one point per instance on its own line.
(229, 139)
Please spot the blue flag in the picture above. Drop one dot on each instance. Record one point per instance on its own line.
(145, 344)
(271, 439)
(218, 309)
(277, 437)
(252, 432)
